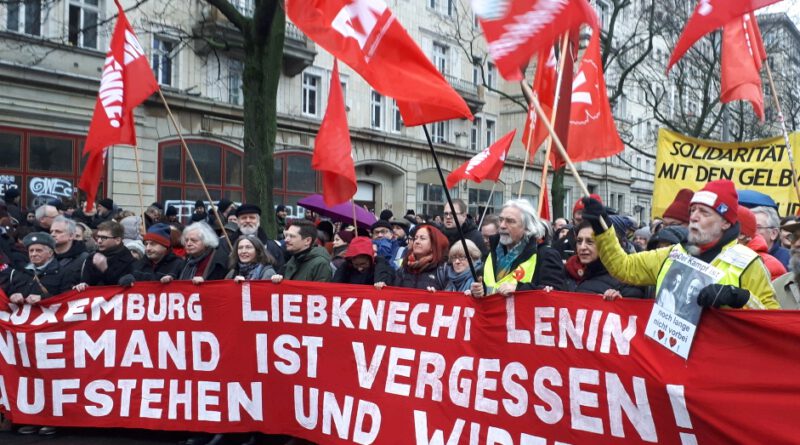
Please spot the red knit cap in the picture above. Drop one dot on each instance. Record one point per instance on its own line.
(747, 222)
(360, 245)
(679, 209)
(721, 196)
(579, 204)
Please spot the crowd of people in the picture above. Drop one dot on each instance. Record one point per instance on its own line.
(58, 247)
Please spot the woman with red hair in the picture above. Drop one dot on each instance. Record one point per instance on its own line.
(425, 266)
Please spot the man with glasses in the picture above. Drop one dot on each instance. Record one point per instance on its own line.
(768, 225)
(468, 227)
(111, 261)
(787, 286)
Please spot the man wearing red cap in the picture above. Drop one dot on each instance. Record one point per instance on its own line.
(677, 214)
(713, 233)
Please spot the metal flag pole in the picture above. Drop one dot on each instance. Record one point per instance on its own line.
(483, 215)
(783, 130)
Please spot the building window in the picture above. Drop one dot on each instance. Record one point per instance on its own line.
(479, 200)
(311, 94)
(163, 57)
(446, 7)
(220, 166)
(491, 75)
(441, 132)
(293, 180)
(397, 118)
(83, 23)
(440, 57)
(376, 110)
(490, 132)
(43, 166)
(475, 135)
(25, 16)
(476, 74)
(235, 70)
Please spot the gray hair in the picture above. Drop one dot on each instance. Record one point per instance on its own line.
(70, 224)
(772, 216)
(533, 225)
(207, 235)
(41, 211)
(458, 249)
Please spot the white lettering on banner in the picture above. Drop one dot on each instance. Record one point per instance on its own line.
(336, 415)
(525, 26)
(285, 348)
(4, 395)
(572, 329)
(493, 435)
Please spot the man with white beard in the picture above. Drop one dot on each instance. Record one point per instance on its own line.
(787, 286)
(713, 233)
(516, 260)
(249, 220)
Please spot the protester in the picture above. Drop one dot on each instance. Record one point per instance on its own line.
(713, 230)
(103, 211)
(341, 241)
(489, 229)
(42, 277)
(768, 226)
(587, 273)
(748, 237)
(159, 262)
(787, 286)
(362, 266)
(309, 262)
(12, 200)
(517, 261)
(667, 237)
(45, 215)
(468, 227)
(640, 238)
(459, 275)
(152, 216)
(250, 260)
(786, 237)
(111, 261)
(425, 265)
(280, 220)
(136, 248)
(204, 261)
(249, 221)
(84, 233)
(400, 227)
(131, 226)
(70, 252)
(677, 213)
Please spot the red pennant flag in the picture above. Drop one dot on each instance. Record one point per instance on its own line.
(127, 81)
(333, 153)
(367, 36)
(515, 30)
(545, 213)
(544, 88)
(742, 57)
(710, 15)
(592, 132)
(485, 165)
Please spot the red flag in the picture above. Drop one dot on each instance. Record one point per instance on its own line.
(127, 81)
(367, 36)
(592, 132)
(545, 213)
(485, 165)
(742, 56)
(515, 30)
(709, 15)
(333, 153)
(544, 88)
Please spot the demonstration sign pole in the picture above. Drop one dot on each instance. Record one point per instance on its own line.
(450, 203)
(139, 183)
(194, 166)
(489, 201)
(783, 130)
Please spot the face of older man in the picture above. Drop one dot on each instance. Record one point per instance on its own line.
(249, 223)
(763, 228)
(154, 251)
(705, 225)
(39, 254)
(193, 243)
(512, 226)
(47, 220)
(58, 230)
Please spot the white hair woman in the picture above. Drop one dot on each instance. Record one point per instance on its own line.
(203, 260)
(459, 275)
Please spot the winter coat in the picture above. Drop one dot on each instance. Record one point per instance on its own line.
(214, 263)
(72, 260)
(774, 266)
(471, 232)
(381, 271)
(434, 276)
(781, 253)
(593, 278)
(51, 278)
(272, 246)
(264, 273)
(787, 291)
(120, 262)
(549, 269)
(309, 265)
(145, 270)
(565, 246)
(642, 269)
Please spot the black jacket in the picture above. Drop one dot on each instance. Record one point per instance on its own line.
(381, 271)
(549, 269)
(273, 247)
(597, 280)
(72, 260)
(433, 276)
(216, 269)
(120, 262)
(146, 270)
(471, 232)
(53, 281)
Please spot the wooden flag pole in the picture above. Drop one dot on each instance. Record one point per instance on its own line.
(480, 223)
(139, 183)
(355, 220)
(783, 130)
(549, 142)
(527, 148)
(196, 170)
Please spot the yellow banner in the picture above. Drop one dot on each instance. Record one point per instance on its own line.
(685, 162)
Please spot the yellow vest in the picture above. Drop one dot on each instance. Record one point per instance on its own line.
(732, 260)
(522, 274)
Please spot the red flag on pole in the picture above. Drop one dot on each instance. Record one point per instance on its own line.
(485, 165)
(709, 15)
(742, 57)
(127, 81)
(592, 132)
(333, 153)
(544, 88)
(367, 36)
(515, 30)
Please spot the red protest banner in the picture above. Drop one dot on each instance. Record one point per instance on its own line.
(340, 364)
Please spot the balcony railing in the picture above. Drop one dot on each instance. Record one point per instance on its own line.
(472, 94)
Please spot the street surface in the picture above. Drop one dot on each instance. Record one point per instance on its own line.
(92, 436)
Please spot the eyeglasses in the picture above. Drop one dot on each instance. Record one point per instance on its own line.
(103, 237)
(446, 214)
(455, 258)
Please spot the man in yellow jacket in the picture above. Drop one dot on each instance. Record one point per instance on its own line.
(713, 232)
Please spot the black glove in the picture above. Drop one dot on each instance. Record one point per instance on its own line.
(717, 295)
(593, 210)
(126, 280)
